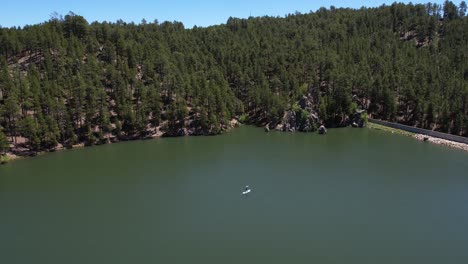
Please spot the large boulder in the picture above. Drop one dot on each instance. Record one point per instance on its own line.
(357, 119)
(322, 130)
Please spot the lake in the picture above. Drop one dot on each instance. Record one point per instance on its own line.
(352, 196)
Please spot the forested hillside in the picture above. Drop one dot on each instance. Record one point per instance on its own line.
(67, 81)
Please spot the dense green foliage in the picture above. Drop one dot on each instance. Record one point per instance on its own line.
(3, 142)
(67, 81)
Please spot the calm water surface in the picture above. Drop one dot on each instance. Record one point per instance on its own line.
(353, 196)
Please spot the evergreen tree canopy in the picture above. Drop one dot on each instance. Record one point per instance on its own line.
(68, 81)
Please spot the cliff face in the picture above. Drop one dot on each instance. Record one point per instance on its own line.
(304, 116)
(301, 117)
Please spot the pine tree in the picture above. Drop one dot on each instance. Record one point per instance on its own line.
(11, 113)
(79, 81)
(30, 130)
(4, 144)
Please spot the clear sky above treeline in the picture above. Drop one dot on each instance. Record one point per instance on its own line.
(191, 13)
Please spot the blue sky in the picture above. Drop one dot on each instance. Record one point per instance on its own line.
(200, 13)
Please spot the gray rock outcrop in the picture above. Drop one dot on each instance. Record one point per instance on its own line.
(302, 117)
(322, 130)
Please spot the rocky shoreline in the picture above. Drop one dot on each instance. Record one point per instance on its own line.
(421, 137)
(19, 152)
(441, 141)
(15, 154)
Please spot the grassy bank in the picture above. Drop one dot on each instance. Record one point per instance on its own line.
(389, 129)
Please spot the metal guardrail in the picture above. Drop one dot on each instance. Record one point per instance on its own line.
(421, 131)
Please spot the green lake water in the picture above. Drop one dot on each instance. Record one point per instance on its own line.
(352, 196)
